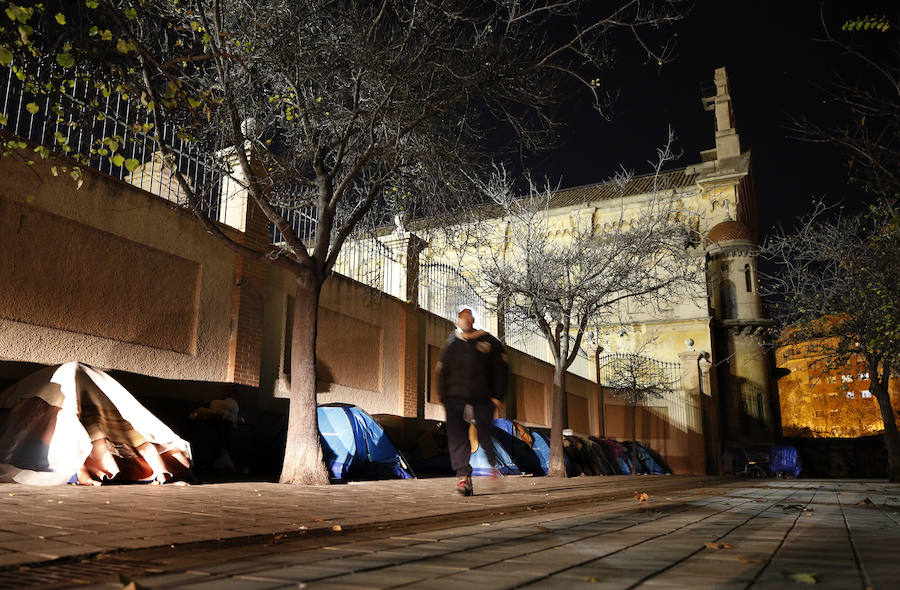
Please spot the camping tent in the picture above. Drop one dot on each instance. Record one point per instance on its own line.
(356, 447)
(73, 421)
(646, 463)
(505, 464)
(432, 456)
(615, 456)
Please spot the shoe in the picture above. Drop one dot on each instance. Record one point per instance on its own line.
(464, 487)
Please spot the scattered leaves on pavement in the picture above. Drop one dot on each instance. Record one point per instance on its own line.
(718, 546)
(641, 496)
(541, 528)
(746, 559)
(591, 579)
(865, 502)
(803, 577)
(337, 528)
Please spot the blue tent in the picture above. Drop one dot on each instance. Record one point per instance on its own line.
(510, 436)
(356, 447)
(646, 463)
(505, 463)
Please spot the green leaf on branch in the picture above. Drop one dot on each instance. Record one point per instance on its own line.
(32, 108)
(131, 164)
(6, 56)
(60, 18)
(65, 60)
(117, 160)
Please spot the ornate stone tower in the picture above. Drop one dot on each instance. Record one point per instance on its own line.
(736, 307)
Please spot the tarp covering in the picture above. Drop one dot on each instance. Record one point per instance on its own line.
(72, 419)
(356, 447)
(775, 460)
(784, 460)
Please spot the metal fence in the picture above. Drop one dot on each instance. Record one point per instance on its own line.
(114, 136)
(616, 369)
(443, 289)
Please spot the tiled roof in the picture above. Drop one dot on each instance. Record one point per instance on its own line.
(729, 230)
(638, 185)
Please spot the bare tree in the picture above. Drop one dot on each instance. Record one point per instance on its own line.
(560, 280)
(350, 111)
(638, 379)
(835, 285)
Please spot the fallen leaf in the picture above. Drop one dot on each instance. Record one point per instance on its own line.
(865, 502)
(718, 546)
(803, 578)
(745, 559)
(337, 528)
(541, 528)
(591, 579)
(641, 496)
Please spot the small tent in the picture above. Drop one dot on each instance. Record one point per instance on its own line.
(647, 464)
(356, 447)
(615, 456)
(505, 464)
(75, 422)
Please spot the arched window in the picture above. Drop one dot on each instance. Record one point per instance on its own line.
(748, 278)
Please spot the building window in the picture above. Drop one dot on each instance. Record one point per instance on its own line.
(851, 395)
(865, 393)
(833, 394)
(748, 278)
(819, 413)
(863, 377)
(846, 378)
(831, 379)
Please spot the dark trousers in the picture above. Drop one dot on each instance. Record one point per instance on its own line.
(458, 432)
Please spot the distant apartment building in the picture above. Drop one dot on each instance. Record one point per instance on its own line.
(821, 398)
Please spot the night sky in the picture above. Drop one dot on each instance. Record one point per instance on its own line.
(775, 60)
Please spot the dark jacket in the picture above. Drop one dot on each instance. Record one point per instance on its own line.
(473, 368)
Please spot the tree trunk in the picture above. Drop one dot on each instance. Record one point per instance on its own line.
(557, 424)
(891, 436)
(303, 462)
(634, 436)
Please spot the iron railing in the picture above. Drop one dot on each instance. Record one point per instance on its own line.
(101, 126)
(443, 289)
(615, 370)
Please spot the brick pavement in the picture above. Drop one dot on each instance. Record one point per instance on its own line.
(541, 533)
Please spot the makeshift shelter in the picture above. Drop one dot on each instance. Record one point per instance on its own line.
(646, 462)
(615, 456)
(784, 460)
(540, 446)
(514, 456)
(431, 454)
(356, 447)
(505, 464)
(73, 422)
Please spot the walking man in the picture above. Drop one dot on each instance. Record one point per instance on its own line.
(472, 371)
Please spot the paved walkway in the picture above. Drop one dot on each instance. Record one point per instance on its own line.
(540, 533)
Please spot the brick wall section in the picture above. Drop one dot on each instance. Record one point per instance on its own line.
(411, 360)
(247, 302)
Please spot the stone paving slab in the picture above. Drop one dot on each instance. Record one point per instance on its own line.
(39, 524)
(696, 534)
